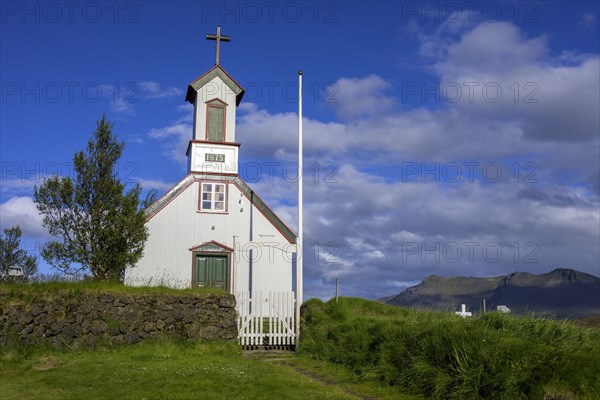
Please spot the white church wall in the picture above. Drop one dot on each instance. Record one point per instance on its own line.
(179, 226)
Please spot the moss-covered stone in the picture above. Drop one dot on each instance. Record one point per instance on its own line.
(91, 317)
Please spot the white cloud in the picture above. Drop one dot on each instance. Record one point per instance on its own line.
(122, 107)
(123, 99)
(187, 113)
(375, 218)
(134, 139)
(380, 231)
(17, 186)
(177, 137)
(491, 48)
(152, 90)
(368, 212)
(149, 184)
(23, 212)
(247, 108)
(588, 20)
(266, 134)
(375, 254)
(404, 236)
(361, 97)
(514, 78)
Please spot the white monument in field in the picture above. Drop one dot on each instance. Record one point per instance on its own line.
(463, 312)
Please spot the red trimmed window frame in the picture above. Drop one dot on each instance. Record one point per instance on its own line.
(213, 192)
(216, 103)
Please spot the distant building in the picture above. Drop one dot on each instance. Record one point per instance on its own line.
(15, 271)
(503, 309)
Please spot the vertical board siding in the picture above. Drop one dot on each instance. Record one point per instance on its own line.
(167, 259)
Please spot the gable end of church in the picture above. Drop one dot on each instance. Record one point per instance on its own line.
(246, 190)
(204, 79)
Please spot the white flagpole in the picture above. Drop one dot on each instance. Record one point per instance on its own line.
(299, 243)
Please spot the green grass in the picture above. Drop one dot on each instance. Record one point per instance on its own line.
(34, 290)
(346, 380)
(442, 356)
(157, 370)
(351, 349)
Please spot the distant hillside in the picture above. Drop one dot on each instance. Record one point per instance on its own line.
(562, 293)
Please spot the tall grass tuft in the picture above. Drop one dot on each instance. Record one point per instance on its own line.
(442, 356)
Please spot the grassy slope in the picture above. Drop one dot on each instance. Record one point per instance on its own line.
(153, 371)
(162, 369)
(442, 356)
(354, 348)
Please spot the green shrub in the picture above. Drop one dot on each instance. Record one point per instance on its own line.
(439, 355)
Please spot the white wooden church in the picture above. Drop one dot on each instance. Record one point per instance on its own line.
(212, 230)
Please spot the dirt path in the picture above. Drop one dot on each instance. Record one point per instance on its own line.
(283, 358)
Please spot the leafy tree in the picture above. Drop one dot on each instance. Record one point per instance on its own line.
(11, 254)
(100, 224)
(151, 197)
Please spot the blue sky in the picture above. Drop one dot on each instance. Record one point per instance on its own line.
(449, 138)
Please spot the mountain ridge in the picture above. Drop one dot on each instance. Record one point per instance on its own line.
(560, 293)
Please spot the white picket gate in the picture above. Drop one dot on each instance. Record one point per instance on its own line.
(266, 319)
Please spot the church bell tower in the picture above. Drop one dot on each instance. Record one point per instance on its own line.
(215, 96)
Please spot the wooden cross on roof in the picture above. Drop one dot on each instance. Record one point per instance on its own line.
(218, 37)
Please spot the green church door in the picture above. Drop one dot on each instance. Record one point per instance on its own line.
(212, 271)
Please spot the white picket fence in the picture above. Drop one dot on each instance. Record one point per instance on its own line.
(266, 319)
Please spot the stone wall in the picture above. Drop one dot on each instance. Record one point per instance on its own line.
(88, 318)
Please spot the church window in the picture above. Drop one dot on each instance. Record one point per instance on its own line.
(213, 197)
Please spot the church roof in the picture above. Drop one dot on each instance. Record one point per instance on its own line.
(203, 79)
(182, 185)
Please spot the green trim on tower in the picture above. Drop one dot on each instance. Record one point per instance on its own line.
(202, 80)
